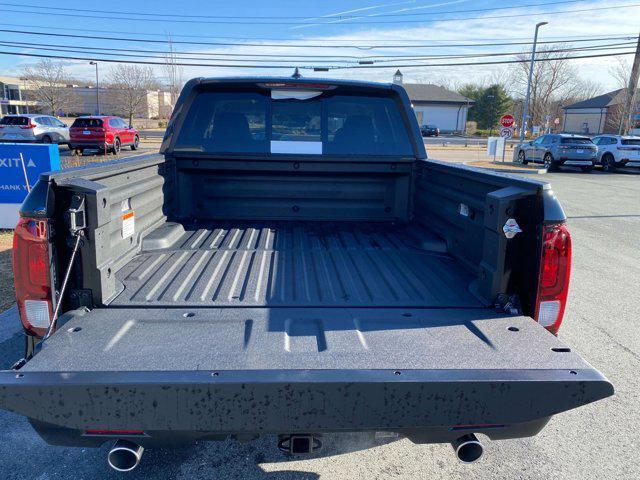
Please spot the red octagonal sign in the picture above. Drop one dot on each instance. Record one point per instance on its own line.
(507, 121)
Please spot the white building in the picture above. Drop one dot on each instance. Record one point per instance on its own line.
(435, 105)
(11, 96)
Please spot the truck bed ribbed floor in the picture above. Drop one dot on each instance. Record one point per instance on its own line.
(297, 264)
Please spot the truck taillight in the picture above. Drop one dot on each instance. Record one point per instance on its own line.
(28, 126)
(32, 275)
(553, 283)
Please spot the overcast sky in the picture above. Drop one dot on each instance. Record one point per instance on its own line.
(329, 23)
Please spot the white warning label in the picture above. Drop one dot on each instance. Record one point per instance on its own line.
(128, 224)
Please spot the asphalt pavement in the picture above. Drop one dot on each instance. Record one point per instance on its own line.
(598, 441)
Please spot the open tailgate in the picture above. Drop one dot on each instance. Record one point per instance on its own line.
(288, 370)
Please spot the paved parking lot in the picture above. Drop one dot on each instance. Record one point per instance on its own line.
(599, 441)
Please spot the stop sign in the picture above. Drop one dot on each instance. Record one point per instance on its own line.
(507, 121)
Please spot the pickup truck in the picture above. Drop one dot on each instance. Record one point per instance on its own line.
(291, 264)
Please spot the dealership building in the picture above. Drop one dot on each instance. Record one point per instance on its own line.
(436, 105)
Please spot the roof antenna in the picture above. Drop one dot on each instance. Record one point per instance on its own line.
(296, 74)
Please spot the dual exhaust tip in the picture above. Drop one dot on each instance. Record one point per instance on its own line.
(468, 448)
(124, 456)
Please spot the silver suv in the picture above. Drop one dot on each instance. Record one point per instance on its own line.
(33, 128)
(555, 150)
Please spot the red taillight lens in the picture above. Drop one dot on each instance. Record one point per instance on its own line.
(28, 126)
(32, 274)
(553, 283)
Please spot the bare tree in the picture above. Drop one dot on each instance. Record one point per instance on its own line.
(173, 72)
(617, 120)
(552, 81)
(129, 87)
(46, 83)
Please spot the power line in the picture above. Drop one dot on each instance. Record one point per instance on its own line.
(252, 56)
(322, 39)
(339, 67)
(293, 45)
(285, 17)
(308, 58)
(369, 22)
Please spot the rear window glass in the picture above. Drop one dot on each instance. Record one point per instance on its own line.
(577, 141)
(630, 141)
(14, 121)
(87, 122)
(253, 122)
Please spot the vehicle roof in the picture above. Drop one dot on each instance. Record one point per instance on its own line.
(30, 115)
(301, 80)
(97, 117)
(622, 137)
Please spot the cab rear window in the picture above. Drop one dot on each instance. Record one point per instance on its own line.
(14, 121)
(87, 122)
(321, 123)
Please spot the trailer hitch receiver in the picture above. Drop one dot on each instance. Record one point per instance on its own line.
(299, 444)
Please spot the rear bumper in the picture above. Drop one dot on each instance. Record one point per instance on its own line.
(577, 162)
(426, 405)
(80, 143)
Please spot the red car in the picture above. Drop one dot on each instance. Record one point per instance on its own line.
(102, 133)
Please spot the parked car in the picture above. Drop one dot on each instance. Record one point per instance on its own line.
(33, 128)
(554, 150)
(429, 131)
(617, 151)
(102, 133)
(235, 286)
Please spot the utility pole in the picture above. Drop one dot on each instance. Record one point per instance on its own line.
(631, 92)
(525, 108)
(97, 88)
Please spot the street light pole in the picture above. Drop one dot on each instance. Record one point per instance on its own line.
(525, 108)
(97, 87)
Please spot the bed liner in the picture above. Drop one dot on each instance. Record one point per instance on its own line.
(288, 264)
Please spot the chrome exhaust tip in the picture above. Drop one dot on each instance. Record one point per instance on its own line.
(468, 448)
(124, 456)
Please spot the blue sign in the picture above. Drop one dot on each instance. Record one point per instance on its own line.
(17, 170)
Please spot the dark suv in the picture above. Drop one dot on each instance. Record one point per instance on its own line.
(429, 131)
(555, 150)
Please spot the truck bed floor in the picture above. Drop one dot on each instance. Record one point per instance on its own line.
(298, 264)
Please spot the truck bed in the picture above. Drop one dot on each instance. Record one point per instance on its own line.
(288, 264)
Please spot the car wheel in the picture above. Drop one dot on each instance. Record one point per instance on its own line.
(549, 164)
(116, 147)
(46, 139)
(587, 169)
(522, 158)
(136, 143)
(608, 163)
